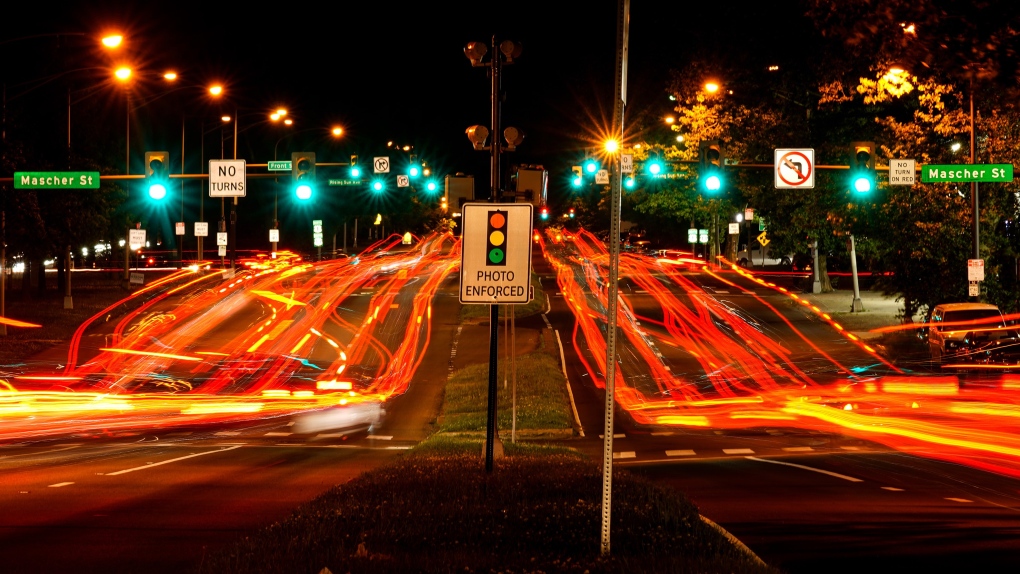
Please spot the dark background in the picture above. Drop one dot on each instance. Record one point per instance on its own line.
(385, 72)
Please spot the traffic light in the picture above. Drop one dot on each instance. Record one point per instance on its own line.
(414, 168)
(571, 213)
(711, 165)
(495, 249)
(431, 186)
(862, 167)
(543, 213)
(157, 170)
(591, 166)
(655, 165)
(355, 170)
(302, 169)
(630, 183)
(577, 179)
(378, 186)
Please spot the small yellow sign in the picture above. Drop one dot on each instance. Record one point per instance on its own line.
(762, 239)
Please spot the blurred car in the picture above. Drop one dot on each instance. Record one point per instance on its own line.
(353, 417)
(950, 323)
(995, 347)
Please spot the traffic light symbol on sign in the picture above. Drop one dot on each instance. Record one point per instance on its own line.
(495, 250)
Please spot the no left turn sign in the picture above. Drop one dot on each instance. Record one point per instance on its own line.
(795, 168)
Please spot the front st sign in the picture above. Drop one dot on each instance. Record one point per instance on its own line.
(495, 265)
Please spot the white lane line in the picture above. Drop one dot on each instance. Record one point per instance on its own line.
(850, 447)
(801, 466)
(59, 484)
(679, 453)
(798, 448)
(892, 489)
(667, 433)
(563, 365)
(958, 499)
(332, 435)
(228, 433)
(625, 454)
(278, 434)
(738, 451)
(155, 464)
(379, 437)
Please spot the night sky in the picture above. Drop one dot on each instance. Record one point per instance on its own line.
(397, 71)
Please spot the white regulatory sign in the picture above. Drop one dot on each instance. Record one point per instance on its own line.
(274, 235)
(381, 164)
(226, 178)
(495, 259)
(136, 238)
(901, 172)
(734, 229)
(795, 168)
(221, 238)
(179, 228)
(201, 229)
(627, 163)
(975, 270)
(403, 181)
(602, 177)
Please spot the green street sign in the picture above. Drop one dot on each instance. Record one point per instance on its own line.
(279, 166)
(56, 180)
(343, 182)
(985, 173)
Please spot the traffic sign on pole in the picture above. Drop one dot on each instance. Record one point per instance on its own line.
(495, 265)
(795, 168)
(982, 173)
(902, 172)
(279, 166)
(226, 178)
(56, 180)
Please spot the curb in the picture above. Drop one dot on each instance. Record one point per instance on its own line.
(736, 541)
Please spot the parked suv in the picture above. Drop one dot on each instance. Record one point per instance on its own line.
(951, 322)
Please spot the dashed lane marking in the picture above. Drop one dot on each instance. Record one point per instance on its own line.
(958, 499)
(378, 437)
(892, 489)
(278, 434)
(679, 453)
(803, 467)
(798, 448)
(625, 454)
(59, 484)
(155, 464)
(227, 433)
(738, 451)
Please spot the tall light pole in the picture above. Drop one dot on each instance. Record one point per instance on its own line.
(475, 52)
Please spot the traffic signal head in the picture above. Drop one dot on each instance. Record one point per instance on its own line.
(157, 170)
(862, 166)
(591, 166)
(571, 213)
(655, 166)
(576, 179)
(629, 183)
(414, 168)
(377, 185)
(302, 166)
(495, 249)
(543, 213)
(431, 186)
(355, 170)
(711, 165)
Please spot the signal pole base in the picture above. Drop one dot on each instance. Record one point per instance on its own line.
(68, 303)
(857, 306)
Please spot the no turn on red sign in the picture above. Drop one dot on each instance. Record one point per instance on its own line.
(795, 168)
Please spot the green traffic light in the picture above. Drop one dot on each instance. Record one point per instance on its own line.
(630, 183)
(303, 192)
(577, 181)
(591, 166)
(157, 191)
(713, 183)
(655, 168)
(862, 184)
(355, 172)
(377, 186)
(414, 171)
(431, 186)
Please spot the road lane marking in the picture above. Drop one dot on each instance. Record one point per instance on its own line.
(803, 467)
(798, 448)
(850, 447)
(59, 484)
(738, 451)
(155, 464)
(228, 433)
(625, 454)
(892, 489)
(278, 434)
(570, 391)
(679, 453)
(615, 435)
(958, 499)
(379, 437)
(667, 433)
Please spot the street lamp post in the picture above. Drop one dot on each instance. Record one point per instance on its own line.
(475, 52)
